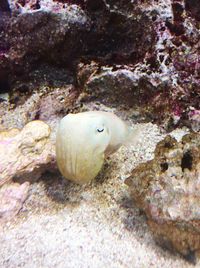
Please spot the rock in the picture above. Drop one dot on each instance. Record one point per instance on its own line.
(26, 154)
(12, 197)
(194, 116)
(112, 87)
(167, 188)
(52, 31)
(164, 83)
(146, 52)
(56, 104)
(116, 87)
(48, 104)
(121, 32)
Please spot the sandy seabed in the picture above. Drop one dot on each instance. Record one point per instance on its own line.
(96, 225)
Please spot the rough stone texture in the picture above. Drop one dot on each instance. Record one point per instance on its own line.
(111, 87)
(164, 83)
(121, 32)
(59, 33)
(151, 49)
(167, 189)
(12, 197)
(27, 153)
(53, 32)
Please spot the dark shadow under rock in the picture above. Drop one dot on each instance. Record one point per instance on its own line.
(62, 191)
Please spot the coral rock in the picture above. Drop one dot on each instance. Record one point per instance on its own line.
(167, 188)
(26, 153)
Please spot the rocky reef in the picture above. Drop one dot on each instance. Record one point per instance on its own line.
(139, 54)
(167, 189)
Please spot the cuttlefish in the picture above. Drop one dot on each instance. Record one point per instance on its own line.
(83, 140)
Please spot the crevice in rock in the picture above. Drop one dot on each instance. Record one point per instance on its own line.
(187, 161)
(4, 85)
(164, 166)
(168, 145)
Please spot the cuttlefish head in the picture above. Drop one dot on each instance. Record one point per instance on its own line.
(81, 142)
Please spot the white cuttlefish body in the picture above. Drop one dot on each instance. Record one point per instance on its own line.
(83, 140)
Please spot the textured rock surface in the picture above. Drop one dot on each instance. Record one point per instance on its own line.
(167, 188)
(60, 33)
(26, 153)
(151, 49)
(44, 31)
(12, 197)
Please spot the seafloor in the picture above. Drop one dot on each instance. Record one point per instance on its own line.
(97, 225)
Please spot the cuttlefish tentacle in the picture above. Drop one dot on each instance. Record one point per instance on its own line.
(83, 140)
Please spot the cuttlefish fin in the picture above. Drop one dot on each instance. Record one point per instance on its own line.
(133, 136)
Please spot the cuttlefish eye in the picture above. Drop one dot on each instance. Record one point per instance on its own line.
(100, 129)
